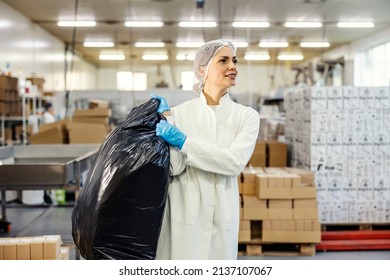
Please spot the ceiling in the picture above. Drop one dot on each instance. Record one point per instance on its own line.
(110, 16)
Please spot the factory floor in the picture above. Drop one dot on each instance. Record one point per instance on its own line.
(56, 220)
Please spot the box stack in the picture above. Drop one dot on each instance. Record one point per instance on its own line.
(9, 98)
(269, 154)
(89, 126)
(284, 199)
(47, 247)
(342, 134)
(51, 133)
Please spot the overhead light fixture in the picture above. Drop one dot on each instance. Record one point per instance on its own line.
(76, 23)
(155, 57)
(144, 23)
(302, 24)
(314, 44)
(240, 44)
(272, 44)
(111, 57)
(290, 56)
(98, 44)
(355, 24)
(149, 44)
(185, 57)
(189, 44)
(250, 24)
(257, 56)
(197, 24)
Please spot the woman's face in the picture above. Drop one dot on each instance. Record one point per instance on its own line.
(222, 71)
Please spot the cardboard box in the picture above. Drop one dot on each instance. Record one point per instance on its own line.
(9, 249)
(2, 241)
(244, 235)
(291, 236)
(23, 249)
(307, 177)
(86, 133)
(305, 203)
(277, 154)
(300, 192)
(280, 214)
(258, 157)
(274, 193)
(305, 213)
(99, 120)
(280, 204)
(254, 208)
(92, 113)
(36, 248)
(52, 247)
(52, 135)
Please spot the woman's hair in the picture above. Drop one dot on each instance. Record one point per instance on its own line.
(203, 57)
(47, 106)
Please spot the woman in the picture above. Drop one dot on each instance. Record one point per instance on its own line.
(212, 139)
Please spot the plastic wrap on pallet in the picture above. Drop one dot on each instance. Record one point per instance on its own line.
(119, 211)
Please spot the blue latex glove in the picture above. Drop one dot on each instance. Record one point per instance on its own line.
(163, 104)
(170, 133)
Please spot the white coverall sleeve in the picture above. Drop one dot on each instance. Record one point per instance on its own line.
(226, 161)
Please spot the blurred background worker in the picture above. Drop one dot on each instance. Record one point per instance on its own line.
(211, 140)
(48, 115)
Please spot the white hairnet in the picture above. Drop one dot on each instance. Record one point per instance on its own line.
(203, 57)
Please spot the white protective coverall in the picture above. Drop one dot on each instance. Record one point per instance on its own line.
(201, 216)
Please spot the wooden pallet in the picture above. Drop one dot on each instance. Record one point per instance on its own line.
(259, 248)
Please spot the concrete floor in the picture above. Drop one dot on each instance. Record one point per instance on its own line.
(56, 220)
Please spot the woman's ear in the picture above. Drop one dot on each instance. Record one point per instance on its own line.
(202, 71)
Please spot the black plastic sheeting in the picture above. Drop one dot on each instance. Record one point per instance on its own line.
(119, 211)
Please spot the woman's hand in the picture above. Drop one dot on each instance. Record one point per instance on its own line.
(163, 104)
(171, 134)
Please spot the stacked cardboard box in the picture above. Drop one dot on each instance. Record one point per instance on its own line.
(342, 134)
(9, 97)
(89, 126)
(269, 154)
(47, 247)
(52, 133)
(284, 199)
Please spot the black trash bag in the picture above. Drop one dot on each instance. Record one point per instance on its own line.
(119, 211)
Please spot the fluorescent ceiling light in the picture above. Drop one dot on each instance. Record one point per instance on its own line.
(270, 44)
(76, 23)
(257, 56)
(185, 57)
(240, 44)
(155, 57)
(189, 44)
(98, 44)
(250, 24)
(302, 24)
(314, 44)
(286, 56)
(149, 44)
(197, 24)
(355, 24)
(111, 57)
(144, 23)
